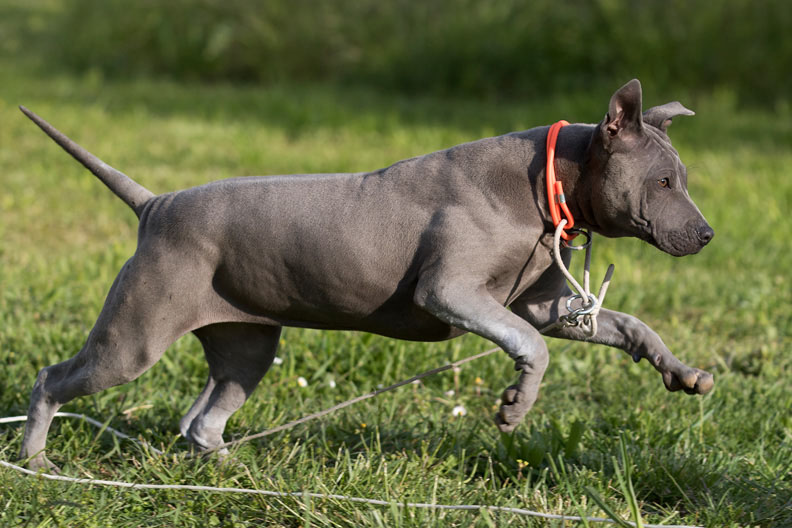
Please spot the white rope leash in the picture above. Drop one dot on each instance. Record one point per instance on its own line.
(590, 316)
(96, 423)
(591, 304)
(286, 494)
(455, 364)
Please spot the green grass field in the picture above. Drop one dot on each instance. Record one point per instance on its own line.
(720, 460)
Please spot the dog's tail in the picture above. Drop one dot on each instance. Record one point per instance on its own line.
(133, 194)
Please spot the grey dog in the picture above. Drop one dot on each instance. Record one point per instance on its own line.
(427, 249)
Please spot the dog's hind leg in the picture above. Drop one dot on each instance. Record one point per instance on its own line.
(239, 354)
(141, 317)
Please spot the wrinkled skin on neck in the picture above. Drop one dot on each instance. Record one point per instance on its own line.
(637, 182)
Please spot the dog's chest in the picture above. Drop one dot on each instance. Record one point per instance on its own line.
(531, 271)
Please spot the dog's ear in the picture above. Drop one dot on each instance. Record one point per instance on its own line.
(624, 119)
(661, 116)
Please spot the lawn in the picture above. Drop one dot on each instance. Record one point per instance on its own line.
(720, 460)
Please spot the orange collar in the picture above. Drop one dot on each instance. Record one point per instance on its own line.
(555, 192)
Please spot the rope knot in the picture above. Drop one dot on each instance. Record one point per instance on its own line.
(590, 308)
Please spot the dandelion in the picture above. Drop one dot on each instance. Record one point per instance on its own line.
(302, 382)
(277, 361)
(458, 411)
(521, 464)
(479, 382)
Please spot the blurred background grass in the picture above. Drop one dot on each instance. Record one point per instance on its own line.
(180, 93)
(494, 48)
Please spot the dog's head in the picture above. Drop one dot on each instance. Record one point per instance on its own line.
(638, 183)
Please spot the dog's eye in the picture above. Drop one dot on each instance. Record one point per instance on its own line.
(663, 182)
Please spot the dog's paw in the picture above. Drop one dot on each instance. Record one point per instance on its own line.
(504, 427)
(43, 464)
(512, 410)
(689, 379)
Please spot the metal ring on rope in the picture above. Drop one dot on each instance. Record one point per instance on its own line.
(577, 247)
(590, 309)
(586, 309)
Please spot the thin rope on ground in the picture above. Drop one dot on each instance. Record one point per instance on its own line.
(347, 403)
(96, 423)
(377, 392)
(286, 494)
(327, 496)
(476, 507)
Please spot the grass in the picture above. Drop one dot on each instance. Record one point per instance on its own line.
(604, 434)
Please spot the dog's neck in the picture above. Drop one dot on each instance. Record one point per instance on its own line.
(571, 160)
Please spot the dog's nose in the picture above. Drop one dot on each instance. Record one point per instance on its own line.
(705, 233)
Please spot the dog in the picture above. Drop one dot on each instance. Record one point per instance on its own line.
(427, 249)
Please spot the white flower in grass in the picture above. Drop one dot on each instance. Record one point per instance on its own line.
(450, 393)
(459, 411)
(277, 361)
(302, 382)
(332, 384)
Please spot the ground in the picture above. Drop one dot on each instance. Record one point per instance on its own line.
(719, 460)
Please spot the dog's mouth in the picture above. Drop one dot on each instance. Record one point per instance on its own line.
(679, 243)
(675, 250)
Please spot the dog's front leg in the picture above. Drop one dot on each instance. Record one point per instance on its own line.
(472, 308)
(622, 331)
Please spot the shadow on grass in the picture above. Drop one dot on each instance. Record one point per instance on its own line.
(705, 484)
(701, 486)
